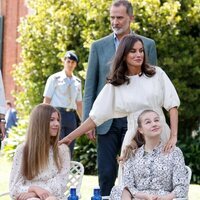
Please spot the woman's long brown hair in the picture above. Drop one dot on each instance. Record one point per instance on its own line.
(38, 141)
(119, 69)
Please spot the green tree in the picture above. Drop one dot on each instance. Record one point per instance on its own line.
(67, 24)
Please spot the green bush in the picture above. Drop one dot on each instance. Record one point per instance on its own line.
(85, 152)
(16, 137)
(191, 150)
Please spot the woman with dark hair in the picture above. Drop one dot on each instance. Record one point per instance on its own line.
(40, 167)
(122, 69)
(133, 86)
(149, 173)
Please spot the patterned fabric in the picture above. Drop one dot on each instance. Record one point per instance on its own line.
(154, 173)
(51, 178)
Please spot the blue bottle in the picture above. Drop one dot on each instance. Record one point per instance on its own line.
(72, 195)
(97, 195)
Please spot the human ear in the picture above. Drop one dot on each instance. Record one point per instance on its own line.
(140, 130)
(132, 18)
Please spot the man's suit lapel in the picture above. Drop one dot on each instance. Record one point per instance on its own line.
(108, 46)
(108, 49)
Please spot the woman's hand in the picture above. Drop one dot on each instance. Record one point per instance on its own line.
(169, 196)
(91, 135)
(173, 113)
(170, 144)
(40, 192)
(26, 195)
(126, 195)
(144, 196)
(87, 125)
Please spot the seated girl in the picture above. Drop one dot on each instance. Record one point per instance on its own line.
(40, 167)
(148, 172)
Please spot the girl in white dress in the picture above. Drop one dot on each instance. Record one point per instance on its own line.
(148, 172)
(40, 167)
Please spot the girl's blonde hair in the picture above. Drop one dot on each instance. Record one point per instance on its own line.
(136, 142)
(38, 141)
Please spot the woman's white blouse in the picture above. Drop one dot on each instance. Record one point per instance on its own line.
(51, 178)
(131, 99)
(154, 173)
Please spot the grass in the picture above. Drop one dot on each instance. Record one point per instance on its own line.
(89, 182)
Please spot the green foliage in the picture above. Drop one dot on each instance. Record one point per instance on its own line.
(16, 137)
(191, 149)
(57, 26)
(86, 153)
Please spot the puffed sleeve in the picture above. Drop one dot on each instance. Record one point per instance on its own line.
(57, 185)
(49, 87)
(180, 176)
(170, 96)
(16, 182)
(103, 108)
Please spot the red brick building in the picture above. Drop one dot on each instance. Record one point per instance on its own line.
(10, 11)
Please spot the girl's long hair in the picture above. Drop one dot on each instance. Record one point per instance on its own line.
(38, 141)
(119, 68)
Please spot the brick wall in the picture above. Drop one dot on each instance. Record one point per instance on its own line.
(12, 11)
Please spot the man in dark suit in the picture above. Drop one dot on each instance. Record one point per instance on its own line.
(111, 133)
